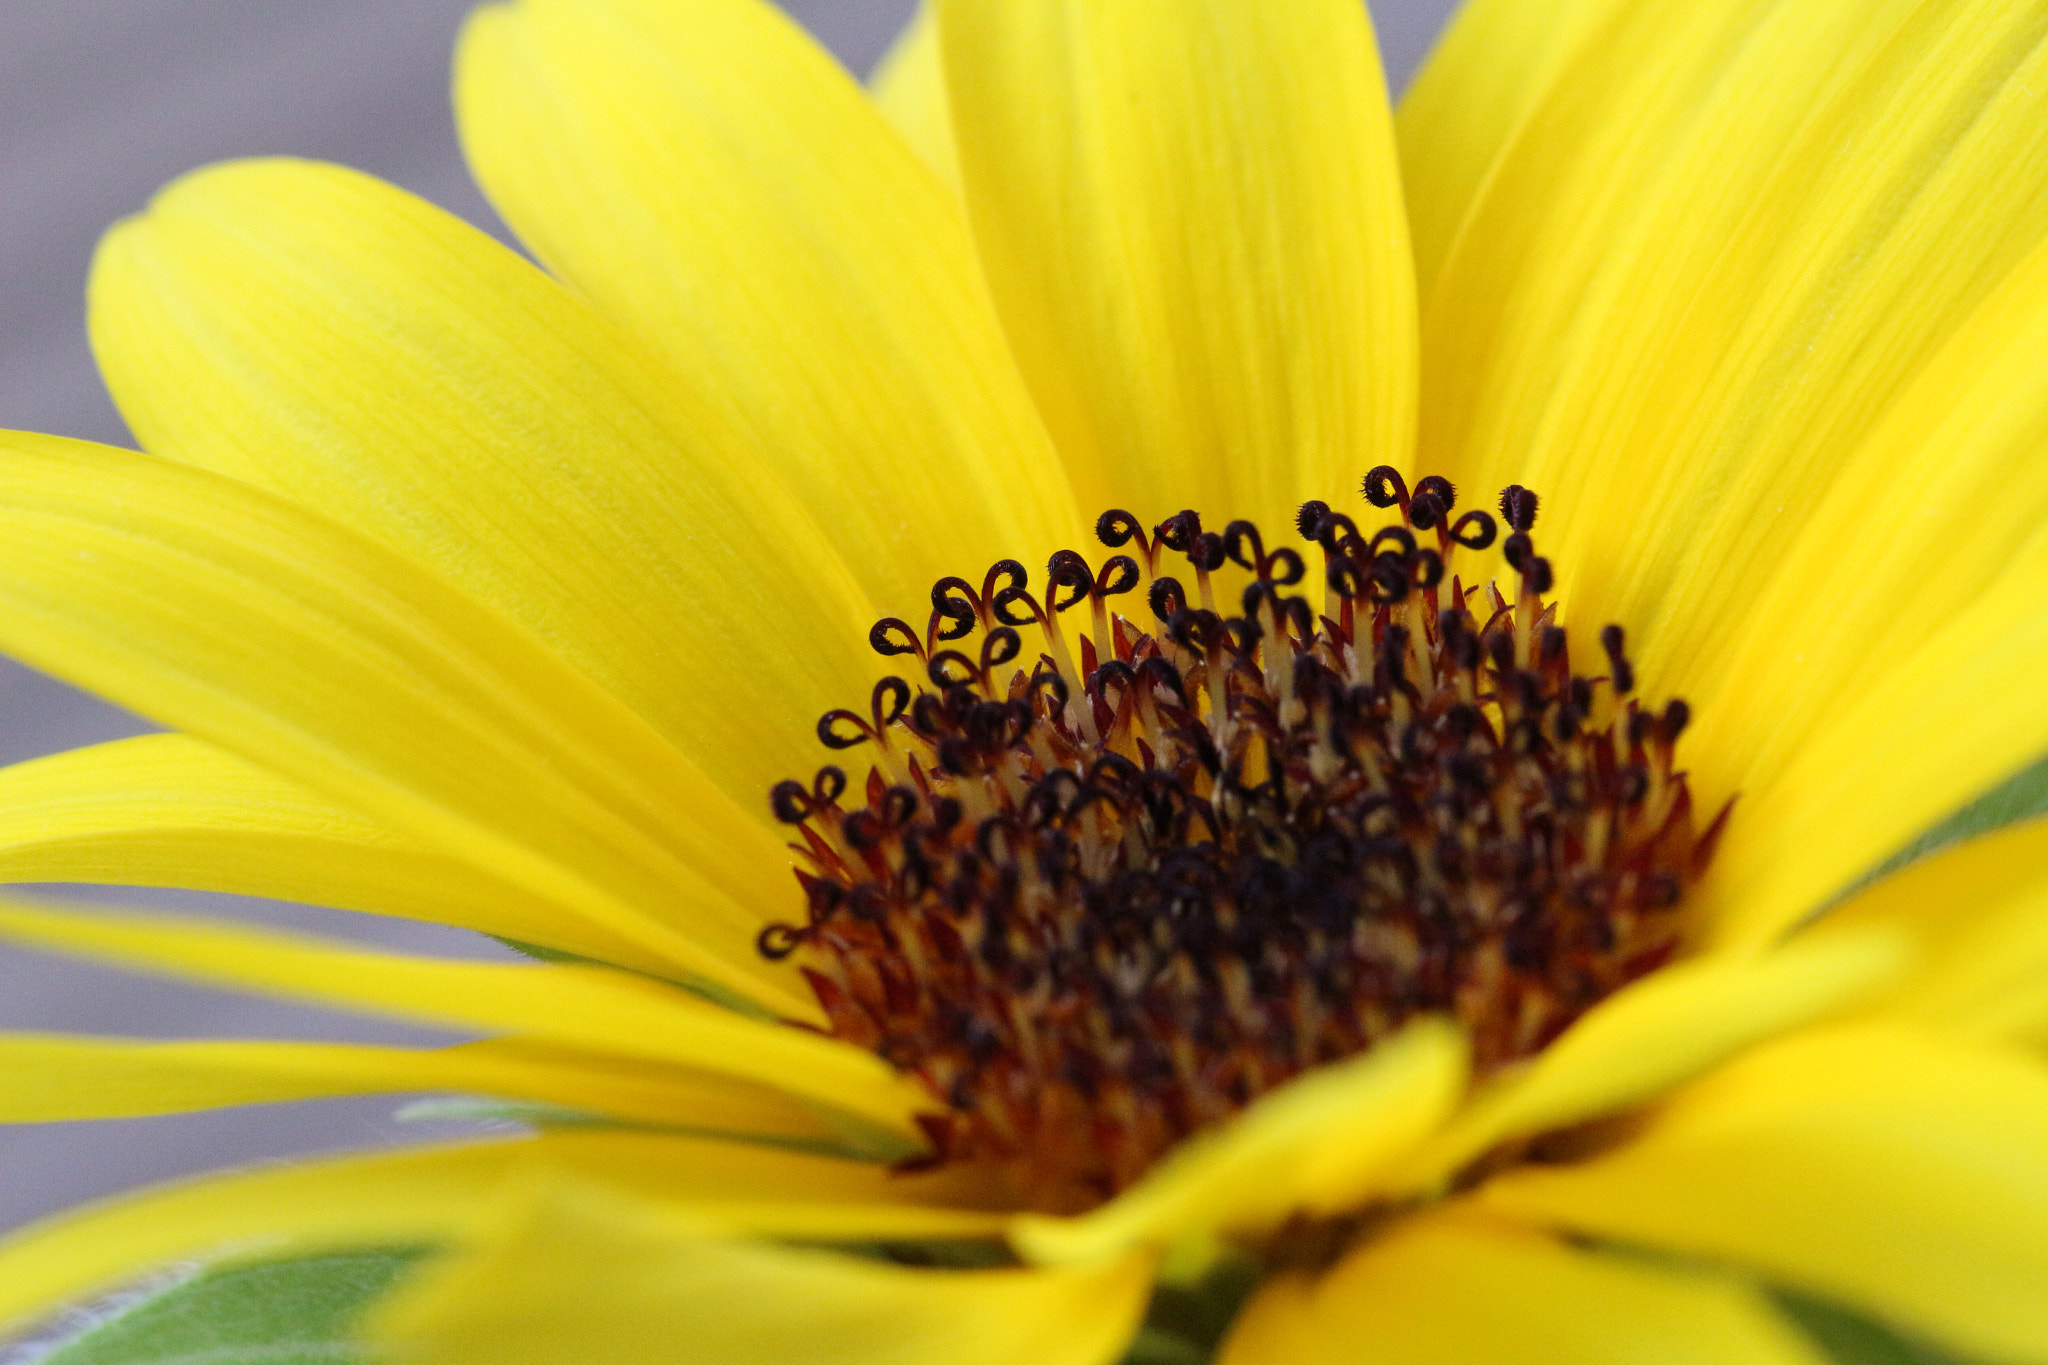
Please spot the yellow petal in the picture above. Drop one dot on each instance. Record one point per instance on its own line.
(171, 810)
(384, 1199)
(909, 87)
(675, 1100)
(50, 1078)
(1553, 206)
(1441, 1290)
(1902, 590)
(1191, 218)
(1320, 1144)
(1979, 912)
(1953, 718)
(440, 1195)
(1493, 64)
(713, 180)
(590, 1007)
(750, 1188)
(548, 1287)
(325, 336)
(277, 635)
(715, 1186)
(1694, 344)
(1888, 1170)
(1663, 1031)
(1693, 306)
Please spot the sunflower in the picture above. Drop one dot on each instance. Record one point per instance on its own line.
(1513, 841)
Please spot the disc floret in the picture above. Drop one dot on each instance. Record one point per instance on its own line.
(1103, 895)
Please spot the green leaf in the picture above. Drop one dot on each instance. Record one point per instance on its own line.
(1184, 1324)
(297, 1312)
(1154, 1347)
(2022, 796)
(1849, 1338)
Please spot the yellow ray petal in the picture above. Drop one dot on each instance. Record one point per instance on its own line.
(1613, 303)
(171, 810)
(741, 1185)
(1442, 1290)
(384, 1199)
(716, 1186)
(1979, 912)
(1493, 64)
(1579, 168)
(325, 336)
(1663, 1031)
(712, 179)
(1951, 719)
(1940, 505)
(1319, 1144)
(909, 87)
(1888, 1170)
(50, 1078)
(678, 1100)
(1191, 218)
(546, 1288)
(440, 1194)
(1691, 308)
(699, 1173)
(590, 1007)
(222, 611)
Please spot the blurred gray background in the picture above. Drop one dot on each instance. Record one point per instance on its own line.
(102, 101)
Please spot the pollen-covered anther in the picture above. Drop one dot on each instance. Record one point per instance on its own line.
(1128, 859)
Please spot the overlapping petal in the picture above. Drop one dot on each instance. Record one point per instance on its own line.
(448, 1196)
(753, 1189)
(1979, 912)
(1319, 1145)
(593, 1008)
(1446, 1290)
(713, 180)
(1661, 1032)
(420, 1196)
(280, 636)
(1893, 1171)
(330, 338)
(545, 1286)
(1598, 229)
(909, 87)
(1190, 215)
(171, 810)
(54, 1077)
(1696, 288)
(1494, 64)
(1934, 520)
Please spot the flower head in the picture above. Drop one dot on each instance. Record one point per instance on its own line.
(1289, 922)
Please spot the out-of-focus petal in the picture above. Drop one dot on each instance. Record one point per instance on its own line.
(1319, 1144)
(549, 1284)
(1441, 1291)
(1898, 1173)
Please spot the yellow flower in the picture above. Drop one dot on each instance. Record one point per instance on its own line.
(478, 597)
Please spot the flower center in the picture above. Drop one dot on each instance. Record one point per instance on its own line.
(1104, 897)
